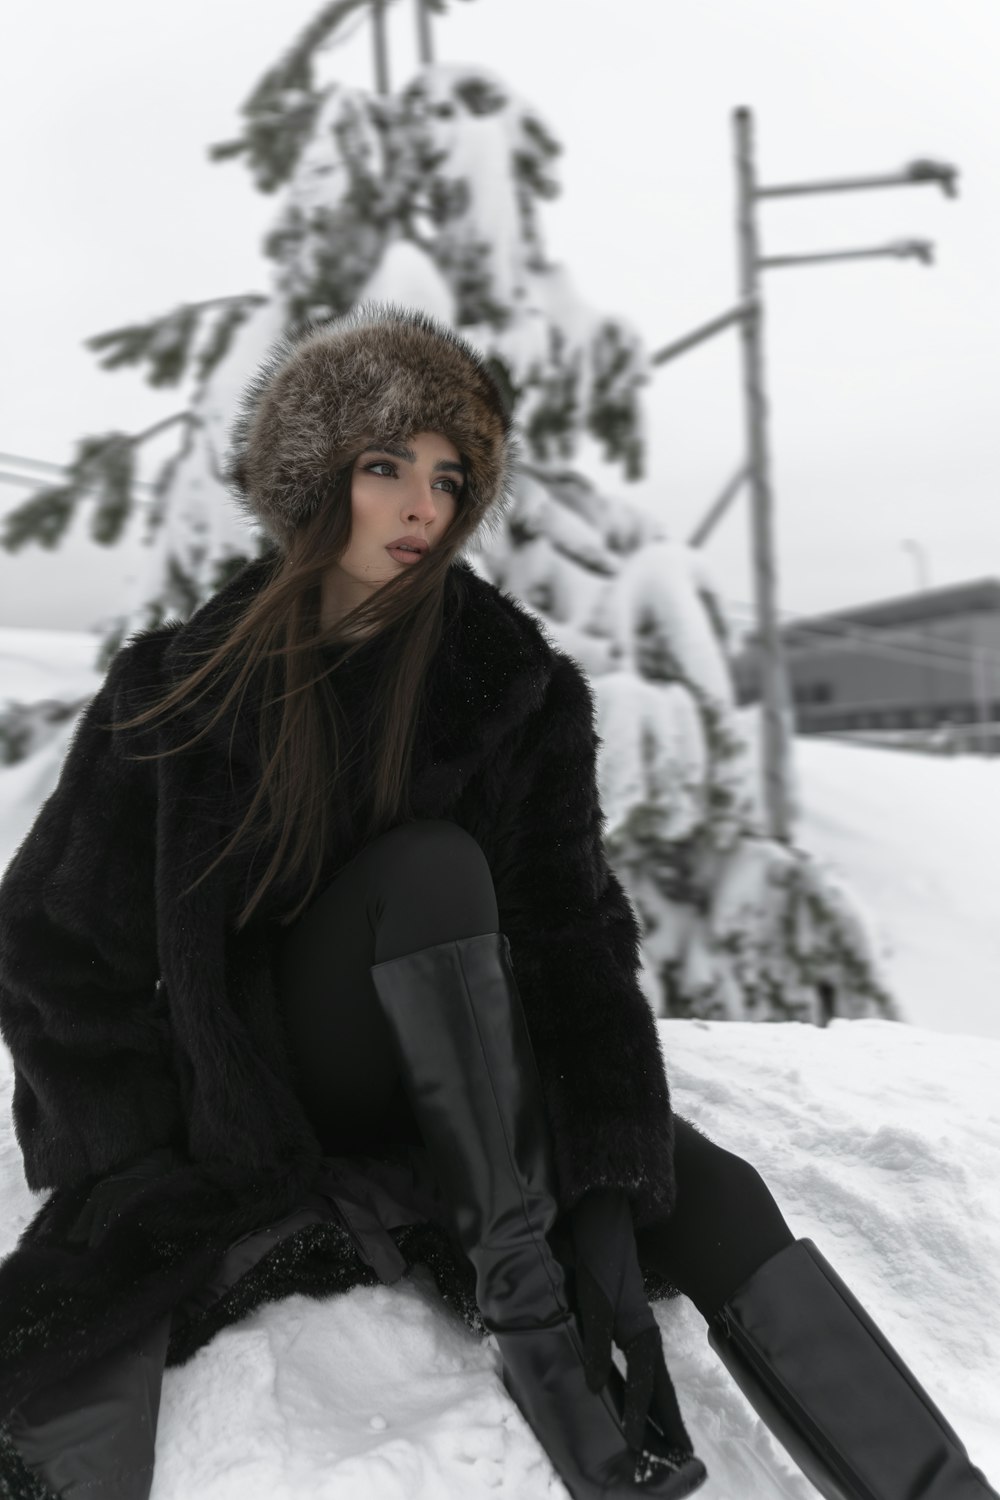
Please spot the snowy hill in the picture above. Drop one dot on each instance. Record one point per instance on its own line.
(918, 837)
(881, 1142)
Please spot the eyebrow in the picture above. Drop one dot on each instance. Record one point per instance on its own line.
(398, 451)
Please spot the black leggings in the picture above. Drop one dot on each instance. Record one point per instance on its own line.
(427, 882)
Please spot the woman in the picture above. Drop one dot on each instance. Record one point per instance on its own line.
(319, 948)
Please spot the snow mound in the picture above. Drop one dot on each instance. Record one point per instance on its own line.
(917, 837)
(881, 1142)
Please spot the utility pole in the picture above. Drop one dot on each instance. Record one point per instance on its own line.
(982, 695)
(748, 315)
(424, 42)
(381, 47)
(775, 726)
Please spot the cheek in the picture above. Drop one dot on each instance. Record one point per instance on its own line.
(367, 504)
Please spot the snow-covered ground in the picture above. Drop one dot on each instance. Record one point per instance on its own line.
(880, 1141)
(918, 837)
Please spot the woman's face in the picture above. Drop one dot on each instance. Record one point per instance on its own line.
(406, 490)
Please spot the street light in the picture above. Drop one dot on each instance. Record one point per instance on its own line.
(920, 558)
(754, 472)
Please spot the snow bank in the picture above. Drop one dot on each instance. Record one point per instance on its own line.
(56, 664)
(918, 838)
(40, 667)
(881, 1142)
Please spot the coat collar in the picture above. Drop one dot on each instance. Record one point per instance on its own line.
(489, 672)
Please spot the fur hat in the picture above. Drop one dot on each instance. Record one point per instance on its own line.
(380, 373)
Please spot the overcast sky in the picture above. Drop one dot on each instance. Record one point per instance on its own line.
(882, 373)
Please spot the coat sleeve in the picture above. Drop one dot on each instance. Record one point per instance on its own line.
(575, 946)
(94, 1085)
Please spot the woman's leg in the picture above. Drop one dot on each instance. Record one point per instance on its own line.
(805, 1353)
(473, 1082)
(421, 883)
(401, 958)
(724, 1225)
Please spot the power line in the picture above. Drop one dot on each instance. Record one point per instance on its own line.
(942, 654)
(871, 705)
(31, 463)
(914, 655)
(49, 468)
(804, 625)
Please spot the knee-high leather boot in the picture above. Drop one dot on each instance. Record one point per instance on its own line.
(470, 1073)
(832, 1389)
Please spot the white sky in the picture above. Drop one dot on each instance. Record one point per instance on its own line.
(883, 374)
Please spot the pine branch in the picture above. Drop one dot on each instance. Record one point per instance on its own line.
(166, 343)
(281, 110)
(105, 464)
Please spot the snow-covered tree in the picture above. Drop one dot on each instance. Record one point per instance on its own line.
(430, 198)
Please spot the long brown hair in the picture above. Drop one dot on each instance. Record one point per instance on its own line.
(279, 636)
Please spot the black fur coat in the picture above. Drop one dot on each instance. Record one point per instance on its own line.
(143, 1027)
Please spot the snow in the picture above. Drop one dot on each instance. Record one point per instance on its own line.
(918, 836)
(881, 1142)
(406, 276)
(40, 666)
(54, 664)
(200, 514)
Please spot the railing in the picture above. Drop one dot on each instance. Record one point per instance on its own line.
(939, 739)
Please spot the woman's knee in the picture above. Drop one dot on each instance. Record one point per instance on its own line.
(437, 843)
(710, 1176)
(725, 1224)
(429, 882)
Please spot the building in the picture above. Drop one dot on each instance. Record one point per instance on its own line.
(921, 661)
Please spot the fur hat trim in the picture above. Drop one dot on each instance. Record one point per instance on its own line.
(381, 373)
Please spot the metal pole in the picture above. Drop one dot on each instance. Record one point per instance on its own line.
(920, 558)
(775, 697)
(424, 41)
(708, 523)
(982, 695)
(898, 250)
(923, 584)
(381, 50)
(706, 331)
(924, 170)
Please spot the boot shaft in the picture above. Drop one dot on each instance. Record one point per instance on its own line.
(470, 1073)
(834, 1391)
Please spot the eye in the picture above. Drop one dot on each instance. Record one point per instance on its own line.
(385, 463)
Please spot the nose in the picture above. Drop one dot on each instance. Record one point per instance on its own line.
(422, 504)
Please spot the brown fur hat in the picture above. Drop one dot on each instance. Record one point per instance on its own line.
(379, 373)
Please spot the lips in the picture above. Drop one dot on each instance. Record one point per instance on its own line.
(407, 549)
(408, 543)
